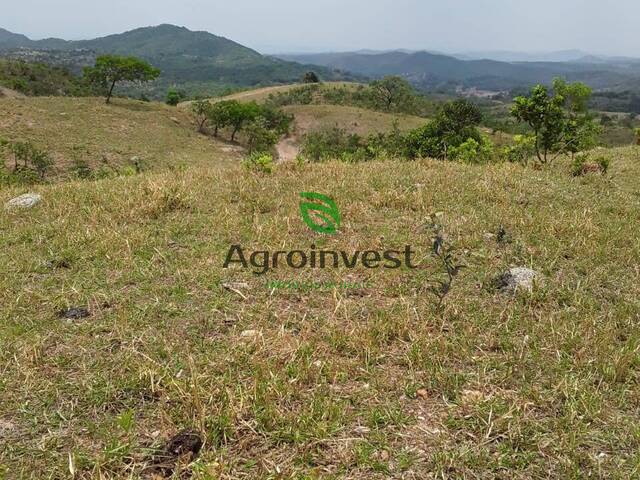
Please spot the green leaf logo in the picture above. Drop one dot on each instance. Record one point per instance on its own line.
(324, 209)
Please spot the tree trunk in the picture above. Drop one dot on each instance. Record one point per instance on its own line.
(538, 148)
(233, 135)
(113, 84)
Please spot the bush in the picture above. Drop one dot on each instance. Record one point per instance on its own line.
(81, 169)
(523, 149)
(259, 162)
(582, 165)
(260, 137)
(330, 143)
(303, 95)
(310, 77)
(29, 162)
(472, 151)
(455, 124)
(174, 97)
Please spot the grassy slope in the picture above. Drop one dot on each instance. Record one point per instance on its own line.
(354, 120)
(87, 128)
(541, 386)
(261, 94)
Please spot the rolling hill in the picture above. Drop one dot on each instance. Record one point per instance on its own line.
(186, 58)
(431, 70)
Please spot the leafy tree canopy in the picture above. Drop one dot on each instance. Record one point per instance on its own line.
(111, 69)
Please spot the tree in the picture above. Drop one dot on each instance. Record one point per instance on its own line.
(561, 122)
(239, 114)
(581, 130)
(310, 77)
(219, 115)
(460, 114)
(546, 117)
(454, 124)
(393, 94)
(276, 119)
(200, 109)
(111, 69)
(260, 138)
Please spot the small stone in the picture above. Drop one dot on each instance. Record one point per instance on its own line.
(174, 120)
(6, 427)
(470, 397)
(58, 263)
(251, 334)
(186, 442)
(75, 313)
(361, 430)
(422, 393)
(517, 279)
(184, 447)
(27, 200)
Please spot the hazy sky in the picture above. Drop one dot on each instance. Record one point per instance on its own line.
(606, 27)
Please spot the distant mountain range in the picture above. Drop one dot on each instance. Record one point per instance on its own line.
(435, 70)
(183, 56)
(189, 59)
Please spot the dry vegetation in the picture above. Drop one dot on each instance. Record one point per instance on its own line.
(364, 384)
(310, 118)
(108, 135)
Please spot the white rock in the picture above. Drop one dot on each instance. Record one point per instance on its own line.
(517, 279)
(27, 200)
(251, 334)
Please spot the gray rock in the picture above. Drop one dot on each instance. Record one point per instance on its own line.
(518, 279)
(27, 200)
(75, 313)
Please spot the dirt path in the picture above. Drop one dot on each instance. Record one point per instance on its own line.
(8, 93)
(288, 149)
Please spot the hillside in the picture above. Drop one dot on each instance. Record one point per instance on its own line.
(37, 79)
(108, 137)
(370, 382)
(352, 119)
(430, 70)
(192, 60)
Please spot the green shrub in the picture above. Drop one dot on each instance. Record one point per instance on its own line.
(259, 162)
(303, 95)
(310, 77)
(29, 162)
(174, 97)
(523, 149)
(80, 169)
(455, 124)
(604, 163)
(260, 137)
(472, 151)
(330, 143)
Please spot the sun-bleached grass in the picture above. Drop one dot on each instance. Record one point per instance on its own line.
(154, 135)
(364, 384)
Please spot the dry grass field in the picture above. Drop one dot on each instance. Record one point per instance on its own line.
(367, 383)
(109, 136)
